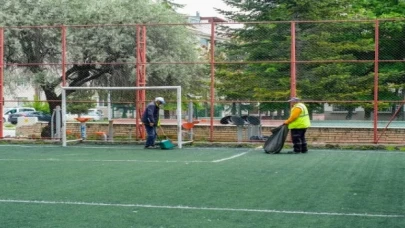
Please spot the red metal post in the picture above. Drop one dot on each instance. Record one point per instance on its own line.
(376, 62)
(1, 79)
(63, 28)
(140, 77)
(293, 70)
(212, 88)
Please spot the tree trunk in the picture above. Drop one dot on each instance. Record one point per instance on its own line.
(53, 99)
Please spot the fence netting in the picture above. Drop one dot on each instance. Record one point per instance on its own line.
(349, 73)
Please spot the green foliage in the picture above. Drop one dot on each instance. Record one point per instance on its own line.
(271, 41)
(351, 41)
(170, 4)
(80, 102)
(91, 45)
(205, 110)
(38, 105)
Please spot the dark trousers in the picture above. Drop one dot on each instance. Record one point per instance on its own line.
(298, 140)
(151, 135)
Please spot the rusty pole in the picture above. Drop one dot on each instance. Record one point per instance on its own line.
(212, 88)
(293, 62)
(1, 79)
(140, 77)
(63, 28)
(376, 63)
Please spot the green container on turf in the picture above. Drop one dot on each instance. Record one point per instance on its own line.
(166, 145)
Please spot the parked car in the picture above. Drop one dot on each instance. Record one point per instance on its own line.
(13, 118)
(40, 115)
(10, 111)
(5, 117)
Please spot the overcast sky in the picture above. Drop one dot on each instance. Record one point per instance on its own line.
(205, 7)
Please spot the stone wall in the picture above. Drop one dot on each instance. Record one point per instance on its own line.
(227, 133)
(30, 131)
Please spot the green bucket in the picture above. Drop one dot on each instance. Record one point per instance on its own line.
(166, 145)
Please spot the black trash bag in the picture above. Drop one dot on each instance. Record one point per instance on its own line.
(237, 120)
(274, 144)
(225, 120)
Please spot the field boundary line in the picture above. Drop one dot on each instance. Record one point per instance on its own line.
(204, 208)
(118, 147)
(231, 157)
(107, 160)
(361, 151)
(125, 147)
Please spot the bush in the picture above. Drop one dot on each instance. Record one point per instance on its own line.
(46, 132)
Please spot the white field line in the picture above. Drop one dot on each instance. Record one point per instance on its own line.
(213, 148)
(74, 147)
(140, 161)
(359, 151)
(84, 160)
(237, 155)
(217, 148)
(204, 208)
(231, 157)
(107, 160)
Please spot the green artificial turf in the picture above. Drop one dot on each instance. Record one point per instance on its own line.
(51, 186)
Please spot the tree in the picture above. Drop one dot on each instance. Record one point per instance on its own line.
(170, 4)
(315, 41)
(271, 42)
(80, 107)
(89, 46)
(391, 46)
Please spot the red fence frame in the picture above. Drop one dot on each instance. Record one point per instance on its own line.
(1, 79)
(140, 77)
(376, 63)
(141, 64)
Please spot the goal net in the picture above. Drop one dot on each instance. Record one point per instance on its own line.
(110, 114)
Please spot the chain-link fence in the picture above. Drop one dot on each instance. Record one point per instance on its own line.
(349, 73)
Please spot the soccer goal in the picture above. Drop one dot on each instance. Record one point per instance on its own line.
(114, 103)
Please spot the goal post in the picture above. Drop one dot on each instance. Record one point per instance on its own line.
(178, 106)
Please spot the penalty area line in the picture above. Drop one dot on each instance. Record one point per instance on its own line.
(203, 208)
(231, 157)
(84, 160)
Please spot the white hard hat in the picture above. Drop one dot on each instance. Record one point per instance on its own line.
(294, 99)
(161, 99)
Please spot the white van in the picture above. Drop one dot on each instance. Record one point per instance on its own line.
(9, 111)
